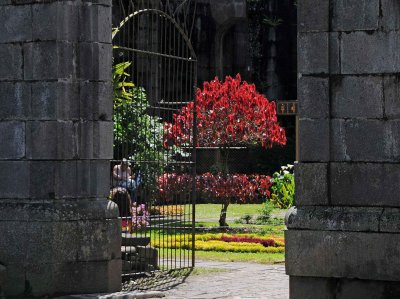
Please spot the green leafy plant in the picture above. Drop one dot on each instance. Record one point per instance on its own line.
(265, 213)
(282, 190)
(137, 135)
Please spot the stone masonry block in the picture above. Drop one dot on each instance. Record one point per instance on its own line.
(14, 100)
(67, 180)
(43, 179)
(48, 60)
(52, 140)
(11, 62)
(10, 173)
(349, 15)
(313, 15)
(58, 210)
(365, 184)
(313, 53)
(356, 219)
(98, 61)
(100, 178)
(338, 151)
(96, 101)
(314, 140)
(103, 139)
(334, 53)
(390, 220)
(354, 97)
(370, 53)
(305, 288)
(95, 23)
(392, 96)
(311, 180)
(12, 145)
(93, 178)
(390, 14)
(15, 22)
(313, 95)
(55, 101)
(55, 21)
(371, 256)
(364, 140)
(334, 288)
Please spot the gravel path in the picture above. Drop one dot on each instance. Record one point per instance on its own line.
(236, 281)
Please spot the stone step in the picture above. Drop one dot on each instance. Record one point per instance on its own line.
(131, 240)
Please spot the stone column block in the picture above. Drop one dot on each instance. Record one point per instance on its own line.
(364, 140)
(98, 61)
(103, 140)
(52, 140)
(55, 21)
(311, 180)
(390, 14)
(14, 179)
(15, 23)
(370, 53)
(354, 219)
(55, 101)
(313, 15)
(96, 24)
(392, 94)
(11, 62)
(350, 15)
(313, 53)
(48, 60)
(365, 184)
(354, 96)
(12, 145)
(314, 140)
(313, 97)
(95, 101)
(343, 254)
(14, 100)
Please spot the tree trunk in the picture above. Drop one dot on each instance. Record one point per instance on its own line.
(222, 216)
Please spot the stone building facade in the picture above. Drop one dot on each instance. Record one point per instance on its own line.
(343, 236)
(58, 233)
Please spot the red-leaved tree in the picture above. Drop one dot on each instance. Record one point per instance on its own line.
(229, 113)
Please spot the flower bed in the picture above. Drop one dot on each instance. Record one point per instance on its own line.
(225, 243)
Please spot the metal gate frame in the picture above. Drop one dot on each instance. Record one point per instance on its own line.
(159, 72)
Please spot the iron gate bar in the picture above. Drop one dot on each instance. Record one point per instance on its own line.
(163, 62)
(156, 54)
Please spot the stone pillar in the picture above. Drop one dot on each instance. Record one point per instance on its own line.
(343, 236)
(58, 233)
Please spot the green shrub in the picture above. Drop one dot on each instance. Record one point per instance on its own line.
(265, 213)
(282, 190)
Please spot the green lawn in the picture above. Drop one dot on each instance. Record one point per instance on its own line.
(210, 212)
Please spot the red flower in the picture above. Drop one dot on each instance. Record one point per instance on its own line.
(228, 113)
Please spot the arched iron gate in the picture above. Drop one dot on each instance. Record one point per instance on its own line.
(153, 182)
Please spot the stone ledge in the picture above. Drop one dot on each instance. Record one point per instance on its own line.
(331, 288)
(352, 219)
(334, 218)
(58, 210)
(370, 256)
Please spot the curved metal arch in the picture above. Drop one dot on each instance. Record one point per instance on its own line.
(162, 14)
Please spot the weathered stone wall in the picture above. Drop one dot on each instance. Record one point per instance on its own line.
(58, 234)
(343, 237)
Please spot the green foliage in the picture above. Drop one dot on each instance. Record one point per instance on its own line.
(282, 190)
(265, 213)
(137, 135)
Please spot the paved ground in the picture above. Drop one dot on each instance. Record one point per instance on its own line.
(236, 281)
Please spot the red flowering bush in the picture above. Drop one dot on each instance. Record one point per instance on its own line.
(228, 113)
(239, 187)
